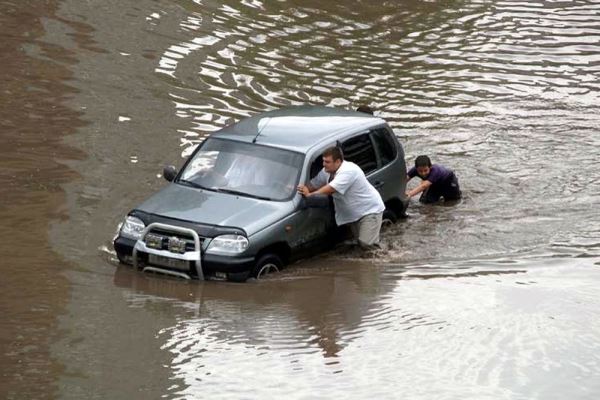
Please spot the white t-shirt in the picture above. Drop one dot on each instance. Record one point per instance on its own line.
(354, 196)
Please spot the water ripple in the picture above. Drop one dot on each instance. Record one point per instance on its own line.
(491, 51)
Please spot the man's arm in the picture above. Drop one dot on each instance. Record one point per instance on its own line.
(422, 186)
(307, 190)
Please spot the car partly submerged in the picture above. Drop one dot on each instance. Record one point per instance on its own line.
(233, 211)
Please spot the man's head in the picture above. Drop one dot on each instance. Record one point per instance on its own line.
(332, 159)
(423, 166)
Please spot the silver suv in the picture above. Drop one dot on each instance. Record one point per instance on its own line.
(233, 210)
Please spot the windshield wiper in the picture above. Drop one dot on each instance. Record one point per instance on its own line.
(233, 191)
(192, 184)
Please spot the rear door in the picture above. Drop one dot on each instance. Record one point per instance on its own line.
(390, 163)
(360, 150)
(376, 153)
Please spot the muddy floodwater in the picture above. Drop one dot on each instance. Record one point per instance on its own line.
(496, 297)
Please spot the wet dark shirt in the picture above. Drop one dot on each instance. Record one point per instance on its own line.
(438, 174)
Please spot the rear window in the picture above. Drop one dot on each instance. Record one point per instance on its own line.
(385, 145)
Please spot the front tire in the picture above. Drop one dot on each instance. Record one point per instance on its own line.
(267, 264)
(389, 217)
(122, 259)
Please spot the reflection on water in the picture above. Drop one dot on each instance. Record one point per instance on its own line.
(492, 297)
(34, 87)
(498, 331)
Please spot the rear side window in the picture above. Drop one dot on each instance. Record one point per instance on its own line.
(360, 151)
(384, 144)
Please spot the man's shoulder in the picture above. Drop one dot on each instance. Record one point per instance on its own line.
(349, 166)
(438, 173)
(439, 167)
(347, 173)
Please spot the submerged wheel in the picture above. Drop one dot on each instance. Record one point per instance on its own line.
(267, 264)
(122, 259)
(389, 217)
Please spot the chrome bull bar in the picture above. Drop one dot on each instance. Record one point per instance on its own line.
(194, 256)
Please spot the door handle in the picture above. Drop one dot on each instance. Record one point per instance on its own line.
(378, 184)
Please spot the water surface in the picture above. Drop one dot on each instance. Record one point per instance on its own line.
(493, 297)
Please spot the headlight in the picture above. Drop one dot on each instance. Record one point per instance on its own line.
(132, 228)
(227, 244)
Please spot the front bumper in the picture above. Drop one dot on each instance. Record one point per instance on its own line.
(211, 263)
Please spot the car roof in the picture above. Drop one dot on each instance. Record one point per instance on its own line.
(298, 128)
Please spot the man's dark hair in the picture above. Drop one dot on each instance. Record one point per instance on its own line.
(365, 109)
(422, 161)
(334, 152)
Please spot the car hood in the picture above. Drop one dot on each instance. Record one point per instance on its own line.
(212, 208)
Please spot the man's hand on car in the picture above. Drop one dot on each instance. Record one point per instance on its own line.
(304, 190)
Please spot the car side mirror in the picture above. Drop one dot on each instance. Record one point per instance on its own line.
(169, 173)
(316, 201)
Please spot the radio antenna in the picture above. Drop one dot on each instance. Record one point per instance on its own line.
(260, 128)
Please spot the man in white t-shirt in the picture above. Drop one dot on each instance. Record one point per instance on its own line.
(356, 201)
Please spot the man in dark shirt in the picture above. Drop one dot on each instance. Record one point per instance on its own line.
(437, 181)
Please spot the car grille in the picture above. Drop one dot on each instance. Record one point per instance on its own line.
(160, 239)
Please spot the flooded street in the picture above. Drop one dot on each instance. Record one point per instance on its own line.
(495, 297)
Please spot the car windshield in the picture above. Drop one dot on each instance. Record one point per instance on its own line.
(243, 169)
